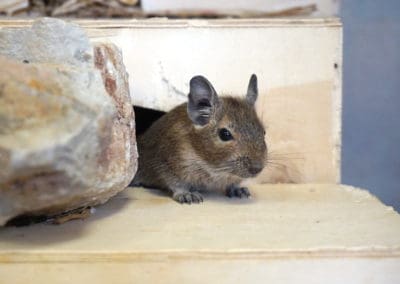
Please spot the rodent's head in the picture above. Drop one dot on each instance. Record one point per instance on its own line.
(227, 132)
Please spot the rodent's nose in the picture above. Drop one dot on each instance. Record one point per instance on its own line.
(255, 168)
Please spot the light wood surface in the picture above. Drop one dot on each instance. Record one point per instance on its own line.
(143, 235)
(278, 219)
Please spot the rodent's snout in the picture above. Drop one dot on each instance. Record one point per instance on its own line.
(255, 168)
(247, 167)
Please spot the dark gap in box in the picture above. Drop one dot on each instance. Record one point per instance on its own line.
(145, 117)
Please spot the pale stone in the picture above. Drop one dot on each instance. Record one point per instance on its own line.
(66, 129)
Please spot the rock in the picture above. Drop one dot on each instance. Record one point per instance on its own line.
(129, 2)
(67, 130)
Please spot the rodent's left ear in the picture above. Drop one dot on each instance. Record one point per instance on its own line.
(252, 90)
(203, 100)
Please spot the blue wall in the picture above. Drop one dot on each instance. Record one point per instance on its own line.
(371, 97)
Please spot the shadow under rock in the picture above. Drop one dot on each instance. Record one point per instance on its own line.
(42, 234)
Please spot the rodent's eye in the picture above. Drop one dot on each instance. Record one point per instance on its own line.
(224, 134)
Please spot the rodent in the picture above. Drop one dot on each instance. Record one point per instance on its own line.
(210, 142)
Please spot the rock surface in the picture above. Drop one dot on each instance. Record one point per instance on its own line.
(67, 130)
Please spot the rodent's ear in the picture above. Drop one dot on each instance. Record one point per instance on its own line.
(203, 100)
(252, 90)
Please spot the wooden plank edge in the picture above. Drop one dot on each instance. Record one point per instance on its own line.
(336, 111)
(118, 256)
(179, 23)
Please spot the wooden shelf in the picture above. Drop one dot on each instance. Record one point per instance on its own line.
(331, 233)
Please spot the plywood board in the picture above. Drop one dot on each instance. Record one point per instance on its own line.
(279, 219)
(334, 233)
(298, 63)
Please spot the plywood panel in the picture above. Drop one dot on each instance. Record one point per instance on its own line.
(299, 125)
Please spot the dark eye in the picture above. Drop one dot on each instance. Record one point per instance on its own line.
(224, 134)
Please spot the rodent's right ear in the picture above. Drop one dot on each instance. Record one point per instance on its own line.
(202, 100)
(252, 90)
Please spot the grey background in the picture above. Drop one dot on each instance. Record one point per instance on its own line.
(371, 97)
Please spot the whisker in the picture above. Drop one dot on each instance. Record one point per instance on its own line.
(277, 165)
(285, 153)
(284, 166)
(285, 158)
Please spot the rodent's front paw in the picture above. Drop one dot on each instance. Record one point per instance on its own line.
(187, 197)
(235, 191)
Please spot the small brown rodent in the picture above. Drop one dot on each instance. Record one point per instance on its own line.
(210, 142)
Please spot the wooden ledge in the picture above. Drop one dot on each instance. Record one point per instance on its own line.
(184, 23)
(315, 232)
(278, 221)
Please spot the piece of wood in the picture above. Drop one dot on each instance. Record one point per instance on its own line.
(298, 63)
(322, 8)
(11, 7)
(312, 233)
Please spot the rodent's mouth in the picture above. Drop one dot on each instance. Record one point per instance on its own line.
(248, 170)
(240, 174)
(255, 169)
(246, 174)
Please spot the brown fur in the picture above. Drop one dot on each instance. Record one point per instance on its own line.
(179, 156)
